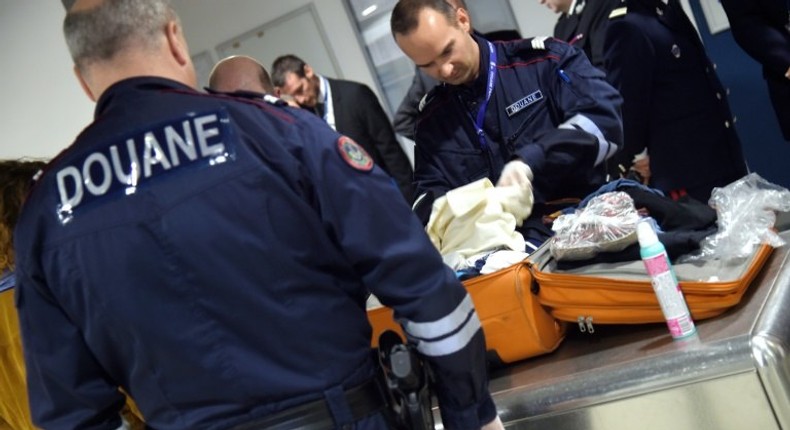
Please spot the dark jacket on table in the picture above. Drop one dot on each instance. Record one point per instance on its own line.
(673, 102)
(359, 115)
(762, 29)
(585, 27)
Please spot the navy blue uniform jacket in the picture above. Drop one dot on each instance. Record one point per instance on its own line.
(550, 107)
(586, 29)
(212, 256)
(674, 104)
(359, 115)
(762, 29)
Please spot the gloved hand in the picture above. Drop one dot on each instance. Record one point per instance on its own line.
(515, 172)
(496, 424)
(642, 166)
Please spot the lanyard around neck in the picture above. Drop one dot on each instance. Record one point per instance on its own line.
(490, 82)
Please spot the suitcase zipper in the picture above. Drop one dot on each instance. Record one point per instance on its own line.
(701, 288)
(586, 324)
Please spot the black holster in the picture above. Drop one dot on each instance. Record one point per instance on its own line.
(408, 382)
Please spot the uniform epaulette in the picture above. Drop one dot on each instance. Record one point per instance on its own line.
(539, 42)
(620, 11)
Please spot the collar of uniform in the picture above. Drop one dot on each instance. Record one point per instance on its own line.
(645, 5)
(145, 83)
(252, 95)
(478, 86)
(7, 280)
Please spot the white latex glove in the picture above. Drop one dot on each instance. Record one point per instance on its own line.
(515, 172)
(494, 425)
(641, 164)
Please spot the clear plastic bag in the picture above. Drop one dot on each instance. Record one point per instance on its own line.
(606, 224)
(746, 211)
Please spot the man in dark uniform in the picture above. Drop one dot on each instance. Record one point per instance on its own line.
(674, 105)
(409, 109)
(532, 110)
(582, 23)
(350, 108)
(762, 29)
(211, 256)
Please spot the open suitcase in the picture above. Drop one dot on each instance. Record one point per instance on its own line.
(621, 293)
(516, 326)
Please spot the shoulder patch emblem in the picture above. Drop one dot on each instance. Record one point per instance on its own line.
(620, 11)
(354, 155)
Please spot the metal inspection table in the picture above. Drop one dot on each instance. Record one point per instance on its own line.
(735, 375)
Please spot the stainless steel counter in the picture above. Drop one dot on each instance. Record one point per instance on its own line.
(734, 375)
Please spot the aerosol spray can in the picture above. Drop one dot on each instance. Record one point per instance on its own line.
(665, 283)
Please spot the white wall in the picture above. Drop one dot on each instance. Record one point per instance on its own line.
(43, 107)
(207, 23)
(533, 19)
(41, 104)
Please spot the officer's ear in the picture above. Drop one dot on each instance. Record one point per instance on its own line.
(84, 84)
(308, 71)
(177, 43)
(463, 20)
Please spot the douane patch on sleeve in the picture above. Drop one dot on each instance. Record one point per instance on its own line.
(354, 155)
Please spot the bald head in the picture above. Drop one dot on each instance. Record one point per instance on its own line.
(240, 73)
(80, 5)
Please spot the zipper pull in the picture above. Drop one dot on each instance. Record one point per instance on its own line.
(582, 327)
(590, 328)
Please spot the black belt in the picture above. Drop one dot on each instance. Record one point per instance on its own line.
(363, 400)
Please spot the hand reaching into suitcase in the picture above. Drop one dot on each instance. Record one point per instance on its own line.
(494, 425)
(515, 173)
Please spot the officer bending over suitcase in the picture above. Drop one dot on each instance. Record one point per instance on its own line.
(528, 113)
(211, 256)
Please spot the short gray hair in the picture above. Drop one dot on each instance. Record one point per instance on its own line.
(99, 33)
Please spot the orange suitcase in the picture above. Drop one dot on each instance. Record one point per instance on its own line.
(515, 325)
(621, 293)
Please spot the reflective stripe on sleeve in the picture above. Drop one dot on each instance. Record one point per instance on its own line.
(447, 334)
(452, 343)
(443, 326)
(605, 148)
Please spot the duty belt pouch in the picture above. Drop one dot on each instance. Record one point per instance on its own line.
(621, 293)
(515, 325)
